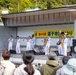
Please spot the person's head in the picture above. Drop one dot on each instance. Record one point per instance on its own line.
(62, 34)
(17, 37)
(28, 59)
(11, 36)
(65, 59)
(32, 35)
(39, 64)
(29, 37)
(6, 55)
(52, 56)
(48, 36)
(45, 39)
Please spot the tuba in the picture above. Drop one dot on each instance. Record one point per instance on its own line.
(45, 41)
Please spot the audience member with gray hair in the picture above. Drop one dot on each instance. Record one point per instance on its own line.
(51, 65)
(64, 62)
(69, 68)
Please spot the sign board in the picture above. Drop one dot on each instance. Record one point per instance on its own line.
(52, 33)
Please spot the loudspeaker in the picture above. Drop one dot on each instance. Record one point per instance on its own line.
(73, 51)
(73, 48)
(12, 51)
(74, 42)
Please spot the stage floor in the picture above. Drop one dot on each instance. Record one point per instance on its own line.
(17, 58)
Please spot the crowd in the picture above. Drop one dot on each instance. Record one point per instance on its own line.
(51, 67)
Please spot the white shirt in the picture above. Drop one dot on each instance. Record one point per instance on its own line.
(34, 40)
(29, 44)
(9, 67)
(20, 71)
(10, 40)
(48, 42)
(18, 42)
(65, 41)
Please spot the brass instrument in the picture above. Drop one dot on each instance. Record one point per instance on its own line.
(45, 41)
(62, 33)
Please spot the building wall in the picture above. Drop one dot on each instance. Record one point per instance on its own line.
(4, 35)
(28, 31)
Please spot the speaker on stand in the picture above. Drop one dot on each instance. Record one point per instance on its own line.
(73, 48)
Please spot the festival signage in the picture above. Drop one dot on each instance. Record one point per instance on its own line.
(52, 33)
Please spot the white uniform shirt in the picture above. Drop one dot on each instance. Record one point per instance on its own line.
(65, 46)
(48, 42)
(34, 40)
(10, 40)
(18, 42)
(65, 42)
(29, 44)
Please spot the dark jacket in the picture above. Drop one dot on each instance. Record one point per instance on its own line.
(49, 68)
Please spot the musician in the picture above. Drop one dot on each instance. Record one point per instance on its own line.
(65, 44)
(47, 46)
(60, 43)
(62, 47)
(29, 44)
(33, 41)
(10, 42)
(18, 45)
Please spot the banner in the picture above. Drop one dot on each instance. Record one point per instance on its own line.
(52, 33)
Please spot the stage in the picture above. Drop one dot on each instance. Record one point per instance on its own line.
(17, 59)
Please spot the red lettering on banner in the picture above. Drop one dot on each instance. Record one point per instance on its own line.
(42, 34)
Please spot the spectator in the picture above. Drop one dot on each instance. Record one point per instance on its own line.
(39, 66)
(64, 61)
(27, 68)
(1, 70)
(70, 67)
(7, 64)
(51, 66)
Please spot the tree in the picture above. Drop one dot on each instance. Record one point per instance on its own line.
(15, 6)
(19, 5)
(47, 4)
(72, 1)
(4, 3)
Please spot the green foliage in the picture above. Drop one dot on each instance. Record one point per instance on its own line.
(0, 20)
(47, 4)
(15, 6)
(72, 1)
(19, 5)
(4, 3)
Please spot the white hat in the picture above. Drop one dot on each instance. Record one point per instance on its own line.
(70, 67)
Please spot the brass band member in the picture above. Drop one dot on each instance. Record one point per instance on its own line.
(63, 42)
(60, 43)
(47, 45)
